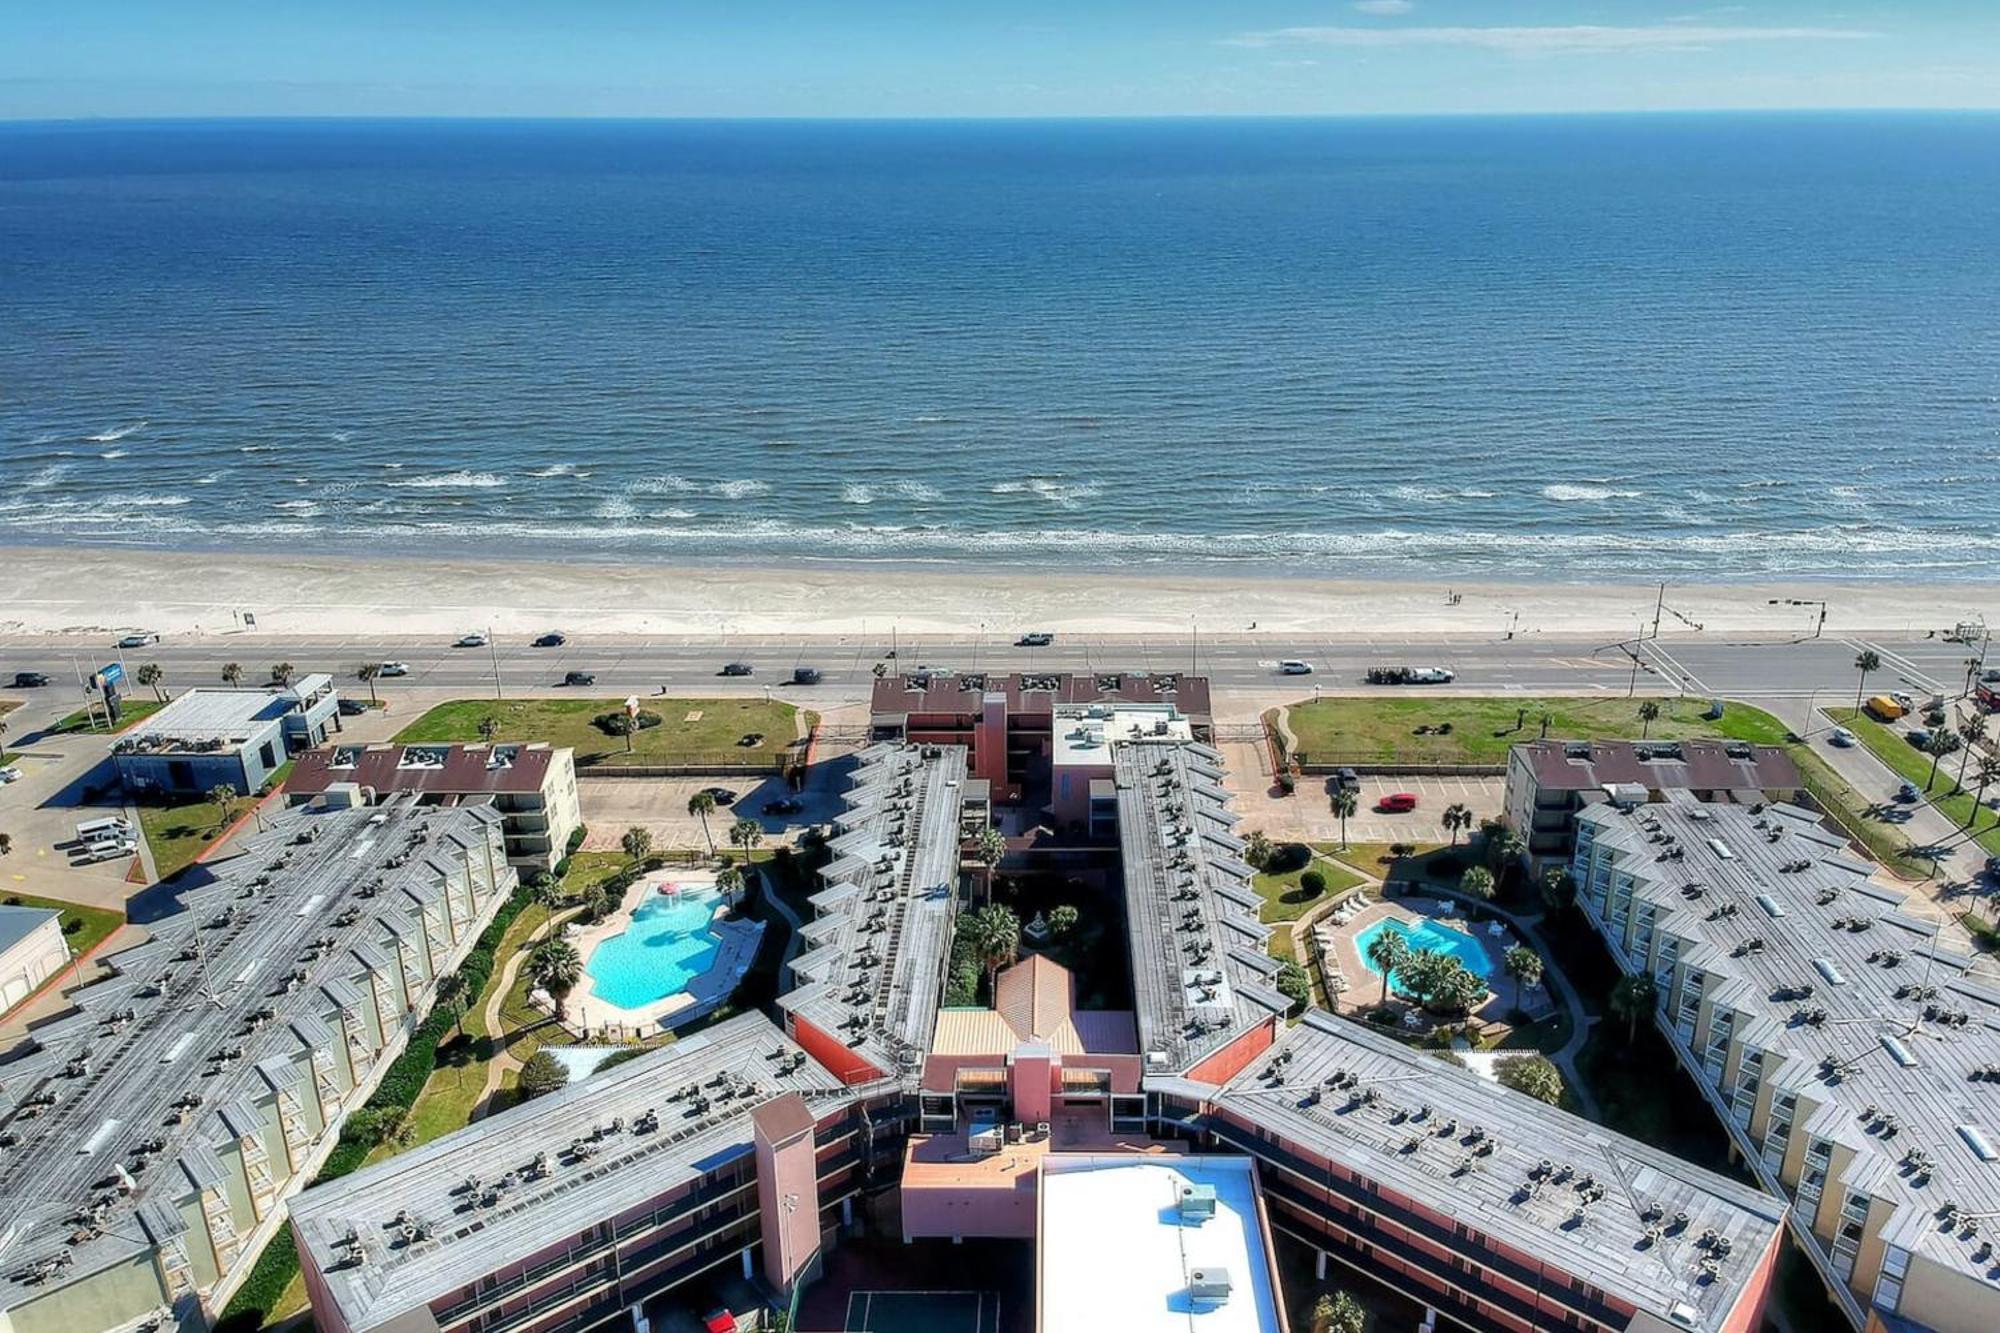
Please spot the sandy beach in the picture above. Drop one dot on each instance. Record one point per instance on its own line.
(90, 591)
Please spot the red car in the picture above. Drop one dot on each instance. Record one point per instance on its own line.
(1397, 803)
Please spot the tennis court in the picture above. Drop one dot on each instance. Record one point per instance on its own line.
(923, 1312)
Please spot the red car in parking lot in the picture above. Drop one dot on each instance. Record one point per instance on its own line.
(1397, 803)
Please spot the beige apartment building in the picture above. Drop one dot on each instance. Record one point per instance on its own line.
(1853, 1061)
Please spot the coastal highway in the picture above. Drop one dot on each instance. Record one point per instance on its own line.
(1693, 664)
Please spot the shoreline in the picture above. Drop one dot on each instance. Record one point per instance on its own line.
(93, 590)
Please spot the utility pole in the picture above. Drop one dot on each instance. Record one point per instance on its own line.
(1659, 607)
(494, 648)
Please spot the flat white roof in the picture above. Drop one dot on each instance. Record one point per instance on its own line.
(1085, 733)
(1087, 1198)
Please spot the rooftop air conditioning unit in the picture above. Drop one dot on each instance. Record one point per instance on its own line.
(1197, 1202)
(1208, 1286)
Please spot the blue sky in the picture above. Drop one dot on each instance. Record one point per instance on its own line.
(986, 57)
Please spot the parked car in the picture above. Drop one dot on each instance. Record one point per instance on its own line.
(784, 805)
(551, 640)
(736, 668)
(470, 641)
(10, 774)
(104, 851)
(392, 669)
(139, 640)
(1397, 803)
(352, 707)
(1841, 737)
(805, 675)
(1292, 666)
(1346, 779)
(1411, 675)
(1918, 736)
(1035, 640)
(1907, 701)
(29, 680)
(1908, 794)
(722, 795)
(579, 678)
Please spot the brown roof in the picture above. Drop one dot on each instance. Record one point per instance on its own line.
(1696, 765)
(1035, 996)
(466, 770)
(782, 1118)
(1036, 694)
(1035, 1001)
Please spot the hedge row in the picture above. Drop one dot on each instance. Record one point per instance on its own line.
(398, 1091)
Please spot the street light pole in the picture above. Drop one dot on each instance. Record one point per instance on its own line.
(494, 648)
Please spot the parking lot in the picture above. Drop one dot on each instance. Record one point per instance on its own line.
(612, 805)
(1308, 816)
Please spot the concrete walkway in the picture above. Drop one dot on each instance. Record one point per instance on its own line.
(503, 1057)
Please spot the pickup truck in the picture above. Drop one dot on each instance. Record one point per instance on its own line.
(1411, 675)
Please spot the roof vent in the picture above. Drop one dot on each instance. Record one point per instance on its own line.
(1772, 907)
(1828, 969)
(1975, 1139)
(1721, 849)
(1897, 1051)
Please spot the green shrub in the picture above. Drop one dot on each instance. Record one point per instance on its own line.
(618, 724)
(1294, 985)
(543, 1074)
(575, 841)
(1313, 883)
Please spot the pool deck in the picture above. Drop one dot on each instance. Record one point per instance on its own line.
(733, 956)
(1364, 986)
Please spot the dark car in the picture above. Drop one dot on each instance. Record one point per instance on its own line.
(805, 675)
(1346, 779)
(784, 805)
(580, 678)
(29, 680)
(722, 795)
(736, 669)
(1918, 737)
(352, 707)
(551, 640)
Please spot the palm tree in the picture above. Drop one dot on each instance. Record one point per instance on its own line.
(1504, 848)
(744, 835)
(1477, 882)
(366, 673)
(638, 843)
(547, 891)
(1338, 1313)
(553, 966)
(1558, 888)
(281, 674)
(1345, 803)
(150, 674)
(992, 846)
(1524, 965)
(1988, 773)
(1456, 817)
(6, 844)
(1865, 661)
(1388, 951)
(732, 882)
(995, 933)
(454, 994)
(232, 673)
(699, 805)
(223, 797)
(1649, 713)
(1941, 743)
(1632, 999)
(1971, 732)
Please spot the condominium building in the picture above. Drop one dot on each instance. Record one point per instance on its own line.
(208, 738)
(1497, 1210)
(870, 973)
(1008, 724)
(1853, 1061)
(1550, 782)
(570, 1211)
(532, 787)
(151, 1137)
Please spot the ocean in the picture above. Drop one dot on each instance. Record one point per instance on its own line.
(1721, 346)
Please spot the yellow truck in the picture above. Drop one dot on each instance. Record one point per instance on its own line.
(1885, 709)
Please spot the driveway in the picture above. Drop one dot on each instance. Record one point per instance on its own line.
(612, 805)
(1308, 816)
(41, 811)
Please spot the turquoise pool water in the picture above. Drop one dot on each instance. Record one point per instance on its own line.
(1429, 935)
(668, 943)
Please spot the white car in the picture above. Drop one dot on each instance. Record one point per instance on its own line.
(1294, 667)
(139, 640)
(1432, 676)
(392, 669)
(10, 774)
(1841, 737)
(471, 641)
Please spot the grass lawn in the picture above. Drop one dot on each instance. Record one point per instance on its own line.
(1909, 762)
(1383, 730)
(131, 711)
(1284, 900)
(712, 737)
(178, 833)
(96, 923)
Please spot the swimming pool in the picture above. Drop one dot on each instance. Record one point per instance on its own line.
(669, 941)
(1430, 935)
